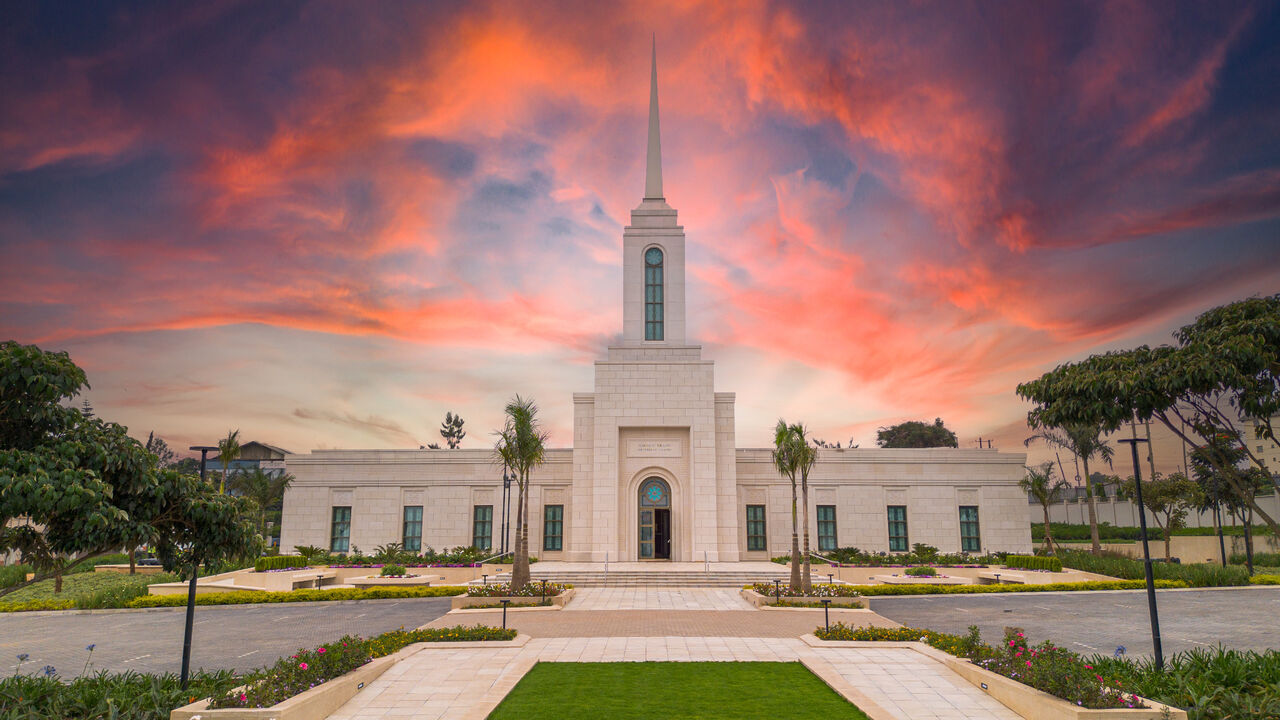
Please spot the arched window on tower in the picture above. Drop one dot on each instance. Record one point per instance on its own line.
(653, 294)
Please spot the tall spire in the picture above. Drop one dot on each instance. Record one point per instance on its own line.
(653, 170)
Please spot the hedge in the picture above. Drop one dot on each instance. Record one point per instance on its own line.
(869, 590)
(1122, 566)
(1265, 580)
(29, 605)
(1033, 562)
(245, 597)
(279, 562)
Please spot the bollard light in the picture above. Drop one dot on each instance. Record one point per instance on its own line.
(831, 578)
(544, 591)
(504, 613)
(777, 590)
(485, 576)
(826, 613)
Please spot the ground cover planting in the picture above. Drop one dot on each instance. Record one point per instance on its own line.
(1210, 684)
(1033, 562)
(706, 690)
(244, 597)
(103, 696)
(83, 591)
(309, 667)
(1121, 566)
(769, 590)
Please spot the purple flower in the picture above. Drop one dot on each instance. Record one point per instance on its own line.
(49, 671)
(91, 646)
(22, 657)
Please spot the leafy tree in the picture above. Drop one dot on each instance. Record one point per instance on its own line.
(916, 434)
(521, 447)
(158, 447)
(805, 457)
(265, 489)
(787, 463)
(187, 466)
(1045, 489)
(451, 430)
(1167, 498)
(228, 450)
(73, 487)
(1085, 442)
(1223, 370)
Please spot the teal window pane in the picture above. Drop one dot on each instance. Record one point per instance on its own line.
(553, 527)
(755, 527)
(970, 534)
(827, 528)
(653, 296)
(482, 527)
(412, 536)
(897, 528)
(340, 529)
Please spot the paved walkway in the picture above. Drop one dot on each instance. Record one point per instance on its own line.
(662, 623)
(658, 599)
(444, 682)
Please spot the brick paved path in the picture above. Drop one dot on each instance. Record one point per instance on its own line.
(655, 599)
(468, 682)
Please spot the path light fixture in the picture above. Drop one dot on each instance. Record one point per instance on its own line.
(506, 507)
(831, 578)
(504, 613)
(544, 591)
(191, 589)
(826, 613)
(1146, 551)
(485, 576)
(777, 590)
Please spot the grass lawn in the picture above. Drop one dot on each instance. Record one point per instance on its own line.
(623, 690)
(79, 584)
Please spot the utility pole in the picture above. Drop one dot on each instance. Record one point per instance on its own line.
(1146, 550)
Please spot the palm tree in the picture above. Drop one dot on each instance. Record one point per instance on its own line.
(521, 447)
(784, 459)
(805, 456)
(228, 450)
(1041, 485)
(1084, 441)
(266, 489)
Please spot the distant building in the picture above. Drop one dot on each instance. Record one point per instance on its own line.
(253, 456)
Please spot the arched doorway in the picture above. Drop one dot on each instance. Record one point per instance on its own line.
(655, 519)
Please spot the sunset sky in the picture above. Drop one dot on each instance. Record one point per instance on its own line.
(328, 223)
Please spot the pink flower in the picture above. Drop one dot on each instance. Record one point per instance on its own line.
(1021, 635)
(1089, 667)
(302, 665)
(1028, 663)
(1012, 643)
(321, 651)
(1018, 654)
(243, 697)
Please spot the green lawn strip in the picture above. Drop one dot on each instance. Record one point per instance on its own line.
(623, 690)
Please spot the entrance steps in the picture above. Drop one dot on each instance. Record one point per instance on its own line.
(658, 578)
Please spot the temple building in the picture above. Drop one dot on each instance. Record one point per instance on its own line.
(654, 472)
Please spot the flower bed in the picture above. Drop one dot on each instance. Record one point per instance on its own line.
(769, 590)
(243, 597)
(1045, 667)
(308, 668)
(531, 589)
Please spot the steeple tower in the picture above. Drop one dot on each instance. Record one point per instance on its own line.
(653, 251)
(653, 169)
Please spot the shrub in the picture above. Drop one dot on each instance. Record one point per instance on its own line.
(1046, 667)
(873, 590)
(11, 575)
(1259, 558)
(29, 605)
(1211, 683)
(835, 603)
(280, 562)
(1033, 562)
(1265, 580)
(1122, 566)
(768, 589)
(392, 570)
(924, 571)
(243, 597)
(122, 696)
(532, 589)
(119, 595)
(307, 668)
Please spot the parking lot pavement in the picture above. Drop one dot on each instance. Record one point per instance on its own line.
(1098, 622)
(229, 636)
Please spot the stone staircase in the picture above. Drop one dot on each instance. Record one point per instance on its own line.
(715, 578)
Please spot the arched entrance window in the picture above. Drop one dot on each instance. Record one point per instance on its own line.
(655, 519)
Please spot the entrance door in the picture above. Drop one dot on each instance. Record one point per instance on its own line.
(655, 519)
(662, 533)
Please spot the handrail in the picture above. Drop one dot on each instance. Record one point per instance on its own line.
(823, 557)
(706, 566)
(495, 557)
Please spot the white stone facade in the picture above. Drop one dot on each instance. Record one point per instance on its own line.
(654, 413)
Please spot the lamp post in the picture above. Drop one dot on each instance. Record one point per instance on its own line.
(191, 589)
(1146, 550)
(506, 506)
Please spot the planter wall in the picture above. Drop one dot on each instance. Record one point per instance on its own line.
(759, 600)
(462, 602)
